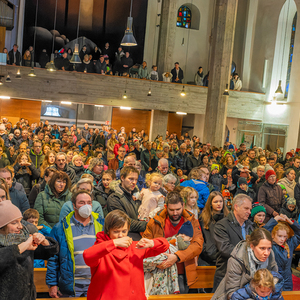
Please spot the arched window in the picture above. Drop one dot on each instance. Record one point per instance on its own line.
(288, 75)
(184, 17)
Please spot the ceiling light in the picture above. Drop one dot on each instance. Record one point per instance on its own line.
(182, 92)
(7, 79)
(18, 76)
(181, 113)
(75, 58)
(226, 90)
(66, 102)
(99, 105)
(32, 73)
(125, 107)
(5, 97)
(125, 95)
(47, 101)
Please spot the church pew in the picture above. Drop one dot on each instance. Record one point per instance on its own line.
(295, 295)
(39, 278)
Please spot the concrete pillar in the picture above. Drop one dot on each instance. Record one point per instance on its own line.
(199, 121)
(158, 124)
(221, 57)
(167, 35)
(21, 16)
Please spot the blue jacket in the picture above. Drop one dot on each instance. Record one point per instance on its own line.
(40, 263)
(284, 263)
(19, 199)
(61, 267)
(201, 187)
(247, 293)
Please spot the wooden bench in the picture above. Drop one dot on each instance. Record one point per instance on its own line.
(286, 295)
(39, 278)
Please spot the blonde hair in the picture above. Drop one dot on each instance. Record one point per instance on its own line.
(186, 193)
(263, 278)
(150, 177)
(282, 226)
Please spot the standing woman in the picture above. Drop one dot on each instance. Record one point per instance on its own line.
(110, 147)
(19, 246)
(214, 210)
(289, 182)
(246, 258)
(117, 262)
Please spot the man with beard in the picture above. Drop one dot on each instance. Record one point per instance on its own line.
(167, 223)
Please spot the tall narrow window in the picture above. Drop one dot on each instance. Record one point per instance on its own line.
(288, 75)
(184, 17)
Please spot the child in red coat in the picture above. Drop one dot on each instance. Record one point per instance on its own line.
(117, 262)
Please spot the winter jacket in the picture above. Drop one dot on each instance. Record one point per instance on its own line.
(284, 263)
(225, 169)
(101, 197)
(174, 74)
(143, 72)
(148, 160)
(210, 250)
(78, 171)
(114, 163)
(18, 56)
(246, 292)
(250, 192)
(192, 162)
(117, 146)
(294, 215)
(253, 164)
(16, 270)
(97, 177)
(236, 174)
(256, 186)
(180, 161)
(68, 208)
(37, 159)
(141, 183)
(217, 181)
(122, 200)
(289, 185)
(201, 187)
(61, 267)
(271, 197)
(155, 229)
(238, 271)
(199, 78)
(297, 194)
(19, 199)
(4, 161)
(49, 206)
(18, 186)
(23, 176)
(70, 172)
(227, 234)
(117, 273)
(39, 187)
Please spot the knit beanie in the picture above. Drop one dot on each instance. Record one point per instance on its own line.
(290, 154)
(270, 173)
(257, 208)
(166, 145)
(290, 201)
(227, 152)
(230, 147)
(242, 180)
(226, 193)
(187, 229)
(282, 186)
(8, 213)
(214, 166)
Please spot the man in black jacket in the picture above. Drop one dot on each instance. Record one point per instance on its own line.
(61, 165)
(230, 231)
(122, 199)
(194, 160)
(177, 73)
(14, 56)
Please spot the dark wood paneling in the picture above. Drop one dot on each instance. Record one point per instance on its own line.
(140, 119)
(175, 123)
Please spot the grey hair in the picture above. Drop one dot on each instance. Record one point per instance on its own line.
(61, 153)
(260, 167)
(75, 157)
(81, 181)
(239, 200)
(138, 163)
(127, 158)
(168, 178)
(95, 162)
(17, 130)
(163, 160)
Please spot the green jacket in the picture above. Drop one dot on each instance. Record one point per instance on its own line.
(49, 206)
(37, 160)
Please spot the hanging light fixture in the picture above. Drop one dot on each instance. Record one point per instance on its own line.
(226, 92)
(125, 95)
(50, 65)
(279, 89)
(32, 73)
(149, 92)
(183, 92)
(75, 57)
(8, 80)
(18, 76)
(128, 39)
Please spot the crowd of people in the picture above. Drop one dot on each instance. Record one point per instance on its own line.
(108, 62)
(109, 201)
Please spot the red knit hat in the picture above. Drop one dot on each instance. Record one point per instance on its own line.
(290, 154)
(270, 173)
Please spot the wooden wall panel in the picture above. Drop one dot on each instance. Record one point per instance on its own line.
(140, 119)
(2, 38)
(175, 123)
(15, 109)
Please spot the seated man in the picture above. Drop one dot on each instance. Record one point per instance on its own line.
(67, 273)
(166, 224)
(61, 165)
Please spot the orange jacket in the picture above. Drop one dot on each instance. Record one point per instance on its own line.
(155, 229)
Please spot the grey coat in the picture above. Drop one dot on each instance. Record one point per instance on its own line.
(238, 272)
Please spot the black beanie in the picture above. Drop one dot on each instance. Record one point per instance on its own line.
(187, 229)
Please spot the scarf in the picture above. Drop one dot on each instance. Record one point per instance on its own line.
(254, 263)
(14, 238)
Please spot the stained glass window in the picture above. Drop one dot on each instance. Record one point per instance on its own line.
(184, 17)
(288, 75)
(52, 111)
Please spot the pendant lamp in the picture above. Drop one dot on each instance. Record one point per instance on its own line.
(128, 39)
(75, 57)
(50, 65)
(32, 73)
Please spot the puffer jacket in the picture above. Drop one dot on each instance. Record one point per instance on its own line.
(70, 172)
(37, 159)
(271, 197)
(217, 181)
(238, 272)
(23, 176)
(180, 161)
(155, 229)
(247, 292)
(122, 200)
(202, 189)
(61, 267)
(101, 197)
(289, 185)
(250, 192)
(78, 171)
(49, 206)
(284, 263)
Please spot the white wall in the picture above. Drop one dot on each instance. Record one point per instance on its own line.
(232, 124)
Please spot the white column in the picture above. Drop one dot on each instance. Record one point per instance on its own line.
(21, 25)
